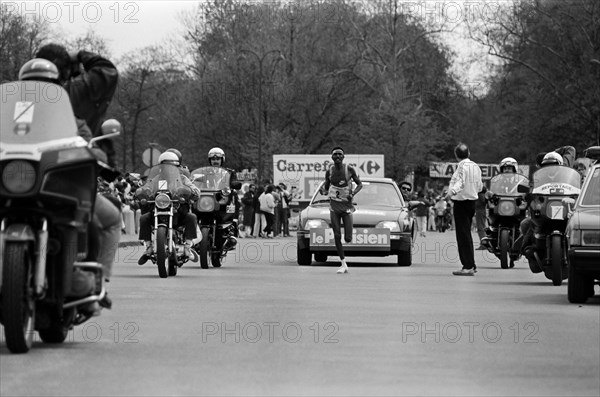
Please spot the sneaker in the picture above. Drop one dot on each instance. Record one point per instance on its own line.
(464, 272)
(342, 270)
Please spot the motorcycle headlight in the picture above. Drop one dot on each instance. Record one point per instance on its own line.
(393, 226)
(18, 176)
(162, 201)
(206, 204)
(226, 191)
(506, 208)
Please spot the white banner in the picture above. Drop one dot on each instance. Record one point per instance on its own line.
(439, 169)
(303, 173)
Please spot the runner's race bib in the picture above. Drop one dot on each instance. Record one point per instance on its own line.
(339, 193)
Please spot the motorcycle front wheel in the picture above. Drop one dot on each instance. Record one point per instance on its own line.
(504, 243)
(556, 259)
(161, 251)
(204, 249)
(18, 304)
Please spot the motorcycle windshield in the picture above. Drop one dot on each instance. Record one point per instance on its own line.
(211, 178)
(164, 177)
(506, 184)
(556, 180)
(34, 112)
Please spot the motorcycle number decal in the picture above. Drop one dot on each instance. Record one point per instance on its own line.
(23, 112)
(162, 185)
(231, 208)
(557, 212)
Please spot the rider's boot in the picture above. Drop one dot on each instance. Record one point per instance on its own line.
(147, 254)
(189, 251)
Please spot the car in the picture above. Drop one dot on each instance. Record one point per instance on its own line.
(382, 225)
(583, 239)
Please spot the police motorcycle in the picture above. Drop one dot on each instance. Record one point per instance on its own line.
(554, 186)
(50, 280)
(506, 209)
(215, 210)
(163, 194)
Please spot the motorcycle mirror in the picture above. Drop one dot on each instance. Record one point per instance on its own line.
(110, 129)
(237, 185)
(523, 189)
(593, 152)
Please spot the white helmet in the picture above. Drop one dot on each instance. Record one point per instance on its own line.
(552, 158)
(39, 69)
(168, 158)
(216, 152)
(509, 162)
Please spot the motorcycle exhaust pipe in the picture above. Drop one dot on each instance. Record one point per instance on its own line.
(40, 265)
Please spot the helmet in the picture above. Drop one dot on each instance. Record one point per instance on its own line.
(216, 152)
(39, 69)
(509, 162)
(177, 152)
(552, 158)
(168, 158)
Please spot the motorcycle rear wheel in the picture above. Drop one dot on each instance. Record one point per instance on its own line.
(556, 259)
(173, 264)
(203, 250)
(56, 333)
(504, 245)
(18, 304)
(161, 251)
(216, 259)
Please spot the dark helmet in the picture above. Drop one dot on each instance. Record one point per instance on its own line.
(177, 152)
(39, 69)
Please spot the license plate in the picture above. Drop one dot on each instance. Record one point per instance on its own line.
(362, 238)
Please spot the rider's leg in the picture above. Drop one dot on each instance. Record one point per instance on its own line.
(108, 217)
(336, 219)
(145, 235)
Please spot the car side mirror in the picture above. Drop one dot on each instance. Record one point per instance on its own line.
(237, 185)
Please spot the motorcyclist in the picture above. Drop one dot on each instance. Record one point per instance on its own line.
(107, 213)
(188, 219)
(182, 168)
(216, 158)
(582, 165)
(527, 226)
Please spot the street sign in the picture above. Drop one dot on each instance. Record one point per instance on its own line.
(150, 157)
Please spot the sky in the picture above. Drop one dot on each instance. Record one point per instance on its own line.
(127, 25)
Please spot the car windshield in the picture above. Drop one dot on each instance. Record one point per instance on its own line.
(211, 178)
(591, 195)
(372, 194)
(506, 184)
(556, 180)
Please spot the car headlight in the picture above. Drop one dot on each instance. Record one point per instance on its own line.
(316, 223)
(393, 226)
(590, 237)
(18, 176)
(162, 201)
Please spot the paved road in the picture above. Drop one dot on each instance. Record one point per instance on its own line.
(262, 325)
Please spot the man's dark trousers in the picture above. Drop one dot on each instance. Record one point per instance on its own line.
(464, 210)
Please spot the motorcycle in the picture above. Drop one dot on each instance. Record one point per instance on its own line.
(506, 209)
(215, 210)
(163, 194)
(553, 188)
(50, 280)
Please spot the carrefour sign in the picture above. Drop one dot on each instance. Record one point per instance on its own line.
(439, 169)
(305, 172)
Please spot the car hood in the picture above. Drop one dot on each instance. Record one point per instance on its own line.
(362, 215)
(586, 218)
